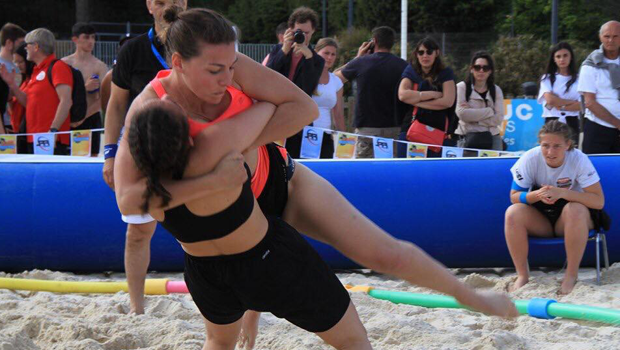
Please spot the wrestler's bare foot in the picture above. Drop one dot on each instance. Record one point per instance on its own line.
(568, 284)
(136, 307)
(520, 282)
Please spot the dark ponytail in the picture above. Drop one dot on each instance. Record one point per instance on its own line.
(159, 143)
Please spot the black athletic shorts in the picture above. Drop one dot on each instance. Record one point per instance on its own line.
(274, 196)
(282, 274)
(553, 211)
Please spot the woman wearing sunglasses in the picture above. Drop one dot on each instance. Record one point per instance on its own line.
(558, 89)
(427, 85)
(480, 106)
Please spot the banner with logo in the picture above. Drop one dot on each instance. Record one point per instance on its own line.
(451, 152)
(522, 121)
(488, 154)
(44, 144)
(345, 146)
(416, 151)
(384, 148)
(311, 142)
(8, 144)
(80, 143)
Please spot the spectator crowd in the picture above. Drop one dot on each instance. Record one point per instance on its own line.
(416, 101)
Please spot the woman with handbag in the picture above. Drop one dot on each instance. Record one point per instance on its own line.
(480, 106)
(427, 85)
(558, 89)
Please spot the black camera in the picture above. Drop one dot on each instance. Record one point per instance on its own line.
(299, 36)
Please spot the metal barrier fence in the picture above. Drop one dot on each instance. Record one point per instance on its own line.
(107, 50)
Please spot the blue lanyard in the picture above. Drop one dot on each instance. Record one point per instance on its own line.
(155, 52)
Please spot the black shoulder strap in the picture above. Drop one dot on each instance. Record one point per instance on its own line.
(49, 72)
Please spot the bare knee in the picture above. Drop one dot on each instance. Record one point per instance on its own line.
(140, 233)
(576, 213)
(515, 214)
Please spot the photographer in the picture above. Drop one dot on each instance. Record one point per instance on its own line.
(297, 61)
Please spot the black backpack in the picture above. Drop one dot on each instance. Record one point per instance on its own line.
(78, 93)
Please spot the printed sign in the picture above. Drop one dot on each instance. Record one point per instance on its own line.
(44, 144)
(384, 148)
(80, 143)
(8, 144)
(416, 151)
(311, 143)
(522, 120)
(345, 146)
(451, 152)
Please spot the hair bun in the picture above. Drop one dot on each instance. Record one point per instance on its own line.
(171, 14)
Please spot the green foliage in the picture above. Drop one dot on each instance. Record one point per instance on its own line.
(518, 60)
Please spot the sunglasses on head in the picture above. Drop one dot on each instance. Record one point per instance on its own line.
(427, 51)
(479, 68)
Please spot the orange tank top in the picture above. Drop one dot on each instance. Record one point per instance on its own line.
(239, 102)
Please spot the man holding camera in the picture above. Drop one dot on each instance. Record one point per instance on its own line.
(377, 73)
(296, 60)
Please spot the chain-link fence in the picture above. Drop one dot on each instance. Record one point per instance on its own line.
(107, 50)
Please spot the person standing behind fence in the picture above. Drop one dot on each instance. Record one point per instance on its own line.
(599, 83)
(296, 60)
(558, 89)
(427, 85)
(17, 108)
(280, 30)
(328, 96)
(47, 105)
(11, 36)
(93, 70)
(138, 62)
(480, 106)
(376, 71)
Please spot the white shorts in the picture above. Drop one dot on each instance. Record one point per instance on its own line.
(137, 219)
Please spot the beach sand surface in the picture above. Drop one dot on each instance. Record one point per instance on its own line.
(49, 321)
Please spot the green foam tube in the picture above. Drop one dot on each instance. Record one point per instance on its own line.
(578, 312)
(584, 312)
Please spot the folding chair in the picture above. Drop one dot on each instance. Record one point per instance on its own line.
(593, 235)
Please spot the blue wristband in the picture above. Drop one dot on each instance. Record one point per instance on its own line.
(109, 151)
(523, 197)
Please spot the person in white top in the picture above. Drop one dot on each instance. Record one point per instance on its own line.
(558, 89)
(328, 96)
(556, 192)
(599, 83)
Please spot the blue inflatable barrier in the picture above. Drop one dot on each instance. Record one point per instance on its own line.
(58, 213)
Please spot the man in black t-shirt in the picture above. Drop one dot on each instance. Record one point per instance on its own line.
(377, 73)
(137, 63)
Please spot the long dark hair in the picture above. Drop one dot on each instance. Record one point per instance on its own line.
(490, 81)
(159, 143)
(21, 51)
(438, 65)
(187, 30)
(552, 68)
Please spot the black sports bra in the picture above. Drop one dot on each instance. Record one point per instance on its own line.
(188, 227)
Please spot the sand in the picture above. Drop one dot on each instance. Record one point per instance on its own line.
(41, 320)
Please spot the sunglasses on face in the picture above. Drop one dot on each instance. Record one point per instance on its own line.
(479, 68)
(428, 52)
